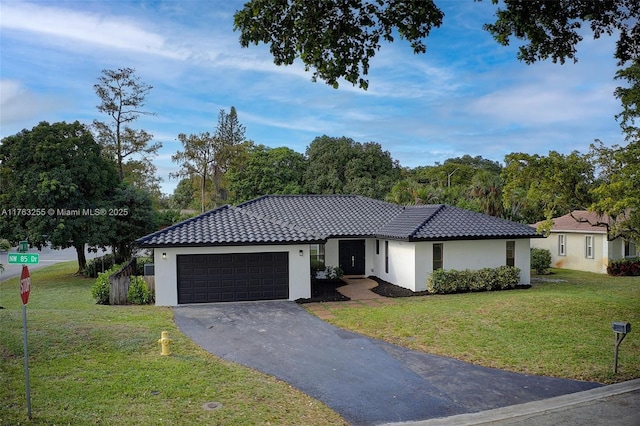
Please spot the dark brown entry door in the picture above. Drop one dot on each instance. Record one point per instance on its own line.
(351, 256)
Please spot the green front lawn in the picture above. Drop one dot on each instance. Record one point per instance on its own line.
(554, 329)
(93, 364)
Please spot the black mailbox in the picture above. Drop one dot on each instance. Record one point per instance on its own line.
(622, 327)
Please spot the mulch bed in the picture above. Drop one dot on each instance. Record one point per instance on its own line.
(387, 289)
(325, 291)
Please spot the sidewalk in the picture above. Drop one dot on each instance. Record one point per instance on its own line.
(617, 404)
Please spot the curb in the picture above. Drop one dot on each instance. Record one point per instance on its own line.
(530, 408)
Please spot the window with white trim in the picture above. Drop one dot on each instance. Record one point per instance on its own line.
(386, 257)
(588, 246)
(511, 253)
(562, 245)
(630, 249)
(438, 256)
(316, 253)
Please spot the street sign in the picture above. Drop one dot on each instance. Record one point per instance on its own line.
(24, 258)
(25, 285)
(23, 246)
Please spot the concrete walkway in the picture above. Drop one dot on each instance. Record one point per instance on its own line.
(356, 288)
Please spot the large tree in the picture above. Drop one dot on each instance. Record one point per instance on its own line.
(343, 166)
(541, 187)
(55, 179)
(267, 171)
(337, 38)
(207, 157)
(129, 216)
(228, 139)
(618, 192)
(122, 98)
(196, 163)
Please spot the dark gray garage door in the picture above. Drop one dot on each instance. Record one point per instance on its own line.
(234, 277)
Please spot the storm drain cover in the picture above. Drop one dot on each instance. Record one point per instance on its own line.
(210, 406)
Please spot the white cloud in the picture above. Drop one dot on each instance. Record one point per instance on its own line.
(18, 104)
(117, 32)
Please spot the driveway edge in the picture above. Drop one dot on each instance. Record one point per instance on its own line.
(530, 408)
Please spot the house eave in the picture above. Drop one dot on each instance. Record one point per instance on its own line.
(231, 244)
(476, 237)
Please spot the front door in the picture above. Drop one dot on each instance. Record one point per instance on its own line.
(351, 256)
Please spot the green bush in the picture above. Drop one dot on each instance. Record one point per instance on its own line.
(100, 288)
(334, 272)
(139, 293)
(454, 281)
(5, 245)
(540, 260)
(624, 267)
(94, 266)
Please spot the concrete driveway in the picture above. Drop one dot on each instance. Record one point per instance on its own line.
(365, 380)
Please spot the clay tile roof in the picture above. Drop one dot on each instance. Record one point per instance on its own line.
(331, 215)
(581, 221)
(293, 219)
(451, 223)
(228, 225)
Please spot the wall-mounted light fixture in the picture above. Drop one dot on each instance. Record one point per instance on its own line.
(301, 252)
(164, 256)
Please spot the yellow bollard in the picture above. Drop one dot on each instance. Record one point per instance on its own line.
(164, 343)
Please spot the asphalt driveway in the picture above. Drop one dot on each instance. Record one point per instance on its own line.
(365, 380)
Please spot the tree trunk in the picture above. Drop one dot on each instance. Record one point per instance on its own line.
(82, 258)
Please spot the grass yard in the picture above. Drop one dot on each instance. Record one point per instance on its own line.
(93, 364)
(553, 329)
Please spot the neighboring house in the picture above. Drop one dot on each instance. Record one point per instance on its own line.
(580, 240)
(263, 249)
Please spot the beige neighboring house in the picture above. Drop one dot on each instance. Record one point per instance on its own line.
(580, 240)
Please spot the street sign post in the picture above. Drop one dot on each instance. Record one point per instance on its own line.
(24, 258)
(25, 291)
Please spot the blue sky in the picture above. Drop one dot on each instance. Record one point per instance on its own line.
(466, 95)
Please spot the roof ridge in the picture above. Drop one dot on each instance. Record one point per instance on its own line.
(276, 221)
(439, 208)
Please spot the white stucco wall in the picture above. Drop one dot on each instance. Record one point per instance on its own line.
(166, 274)
(402, 263)
(574, 257)
(478, 254)
(411, 263)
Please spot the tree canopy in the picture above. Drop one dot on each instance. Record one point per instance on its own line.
(337, 38)
(206, 157)
(122, 97)
(267, 171)
(334, 38)
(56, 174)
(343, 166)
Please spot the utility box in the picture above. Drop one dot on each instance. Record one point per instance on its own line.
(149, 269)
(622, 327)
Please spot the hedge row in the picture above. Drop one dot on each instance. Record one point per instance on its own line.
(625, 267)
(453, 281)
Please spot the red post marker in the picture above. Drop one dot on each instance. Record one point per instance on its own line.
(25, 284)
(25, 289)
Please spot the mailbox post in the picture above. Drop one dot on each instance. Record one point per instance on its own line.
(621, 329)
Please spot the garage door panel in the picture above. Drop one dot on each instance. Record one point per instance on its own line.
(232, 277)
